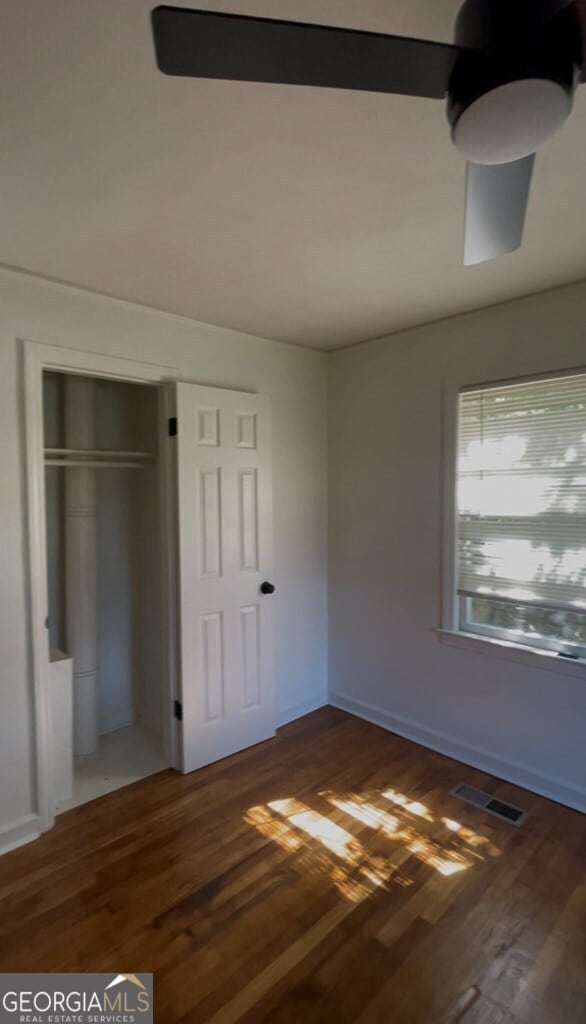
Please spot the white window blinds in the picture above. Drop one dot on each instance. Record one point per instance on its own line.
(522, 493)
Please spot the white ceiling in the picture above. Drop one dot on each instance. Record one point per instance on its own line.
(318, 217)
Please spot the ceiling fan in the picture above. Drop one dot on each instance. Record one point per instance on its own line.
(509, 80)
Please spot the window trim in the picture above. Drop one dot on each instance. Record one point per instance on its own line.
(519, 654)
(450, 631)
(561, 647)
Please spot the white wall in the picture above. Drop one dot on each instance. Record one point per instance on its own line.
(385, 550)
(295, 381)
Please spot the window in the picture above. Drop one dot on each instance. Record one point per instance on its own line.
(521, 513)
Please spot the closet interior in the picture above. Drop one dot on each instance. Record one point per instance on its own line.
(103, 521)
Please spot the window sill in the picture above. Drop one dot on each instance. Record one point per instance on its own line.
(518, 653)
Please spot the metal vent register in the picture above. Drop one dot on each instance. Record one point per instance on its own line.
(486, 802)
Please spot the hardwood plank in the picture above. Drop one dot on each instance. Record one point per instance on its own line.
(324, 876)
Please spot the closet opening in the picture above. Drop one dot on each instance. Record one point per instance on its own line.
(109, 701)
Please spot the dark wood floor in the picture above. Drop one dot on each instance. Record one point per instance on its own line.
(325, 876)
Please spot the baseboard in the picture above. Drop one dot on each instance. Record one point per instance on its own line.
(512, 771)
(19, 832)
(117, 720)
(289, 714)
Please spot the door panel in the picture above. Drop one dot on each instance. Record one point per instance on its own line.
(225, 552)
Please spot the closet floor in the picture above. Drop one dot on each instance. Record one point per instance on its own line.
(124, 756)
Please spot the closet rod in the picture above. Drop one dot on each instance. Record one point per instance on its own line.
(98, 463)
(98, 453)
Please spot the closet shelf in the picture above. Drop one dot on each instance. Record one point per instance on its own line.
(96, 458)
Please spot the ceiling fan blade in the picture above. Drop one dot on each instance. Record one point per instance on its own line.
(577, 10)
(580, 7)
(496, 204)
(204, 44)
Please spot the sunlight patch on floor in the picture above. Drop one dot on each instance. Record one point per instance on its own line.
(365, 812)
(413, 806)
(323, 844)
(470, 837)
(278, 831)
(334, 838)
(356, 869)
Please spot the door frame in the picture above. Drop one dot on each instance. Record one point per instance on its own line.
(38, 358)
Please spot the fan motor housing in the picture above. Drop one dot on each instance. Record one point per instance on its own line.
(501, 43)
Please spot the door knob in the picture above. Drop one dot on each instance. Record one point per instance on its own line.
(267, 588)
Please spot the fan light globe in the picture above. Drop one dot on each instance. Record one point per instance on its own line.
(511, 121)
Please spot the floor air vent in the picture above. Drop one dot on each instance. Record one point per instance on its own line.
(486, 802)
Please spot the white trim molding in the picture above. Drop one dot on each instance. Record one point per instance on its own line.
(25, 830)
(511, 771)
(39, 357)
(520, 654)
(449, 572)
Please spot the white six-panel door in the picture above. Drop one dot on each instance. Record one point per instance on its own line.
(225, 553)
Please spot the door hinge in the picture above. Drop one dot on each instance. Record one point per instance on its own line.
(173, 426)
(178, 710)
